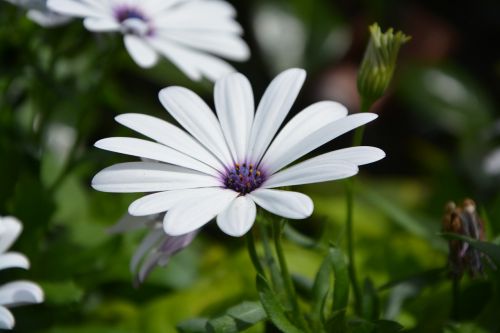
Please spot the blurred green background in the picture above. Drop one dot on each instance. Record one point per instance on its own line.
(60, 89)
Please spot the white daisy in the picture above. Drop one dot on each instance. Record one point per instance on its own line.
(192, 34)
(156, 248)
(39, 13)
(228, 164)
(19, 292)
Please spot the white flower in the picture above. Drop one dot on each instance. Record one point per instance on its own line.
(18, 292)
(156, 248)
(491, 163)
(226, 166)
(39, 13)
(190, 33)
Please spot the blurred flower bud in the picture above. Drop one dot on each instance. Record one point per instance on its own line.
(463, 220)
(379, 63)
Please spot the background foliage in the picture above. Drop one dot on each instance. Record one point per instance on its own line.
(60, 89)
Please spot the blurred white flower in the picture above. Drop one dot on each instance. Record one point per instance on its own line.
(156, 249)
(19, 292)
(39, 13)
(227, 165)
(492, 163)
(192, 34)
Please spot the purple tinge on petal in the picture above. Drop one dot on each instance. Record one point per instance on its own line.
(160, 255)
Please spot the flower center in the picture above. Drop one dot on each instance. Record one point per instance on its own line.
(133, 21)
(244, 178)
(124, 13)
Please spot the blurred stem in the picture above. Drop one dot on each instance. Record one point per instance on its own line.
(287, 279)
(357, 140)
(252, 251)
(455, 289)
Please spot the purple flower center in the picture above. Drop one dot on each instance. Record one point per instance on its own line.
(244, 178)
(124, 13)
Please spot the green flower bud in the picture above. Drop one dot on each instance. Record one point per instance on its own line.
(379, 62)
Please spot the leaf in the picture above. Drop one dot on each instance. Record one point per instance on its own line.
(273, 308)
(237, 318)
(320, 289)
(490, 249)
(195, 325)
(359, 325)
(369, 301)
(298, 238)
(341, 284)
(248, 312)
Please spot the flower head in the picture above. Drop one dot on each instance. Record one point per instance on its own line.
(19, 292)
(227, 164)
(156, 248)
(39, 13)
(191, 34)
(379, 62)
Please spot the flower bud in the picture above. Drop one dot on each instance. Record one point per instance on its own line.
(379, 62)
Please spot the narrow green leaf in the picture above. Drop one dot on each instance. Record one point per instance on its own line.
(273, 308)
(341, 285)
(223, 324)
(298, 238)
(195, 325)
(490, 249)
(248, 312)
(320, 289)
(369, 301)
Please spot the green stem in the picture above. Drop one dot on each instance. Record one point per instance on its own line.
(285, 273)
(357, 140)
(252, 251)
(269, 259)
(456, 298)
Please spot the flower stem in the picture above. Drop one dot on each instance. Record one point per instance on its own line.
(285, 273)
(252, 251)
(357, 140)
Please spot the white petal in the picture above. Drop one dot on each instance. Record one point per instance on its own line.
(292, 205)
(152, 238)
(73, 8)
(214, 8)
(154, 151)
(143, 54)
(13, 259)
(311, 172)
(197, 22)
(7, 320)
(228, 46)
(235, 108)
(162, 201)
(47, 19)
(360, 155)
(195, 64)
(101, 24)
(272, 110)
(10, 228)
(296, 131)
(155, 6)
(149, 177)
(196, 117)
(288, 151)
(238, 217)
(169, 135)
(20, 292)
(193, 214)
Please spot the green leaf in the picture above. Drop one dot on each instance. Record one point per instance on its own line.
(369, 301)
(195, 325)
(273, 308)
(490, 249)
(320, 289)
(336, 322)
(359, 325)
(298, 238)
(248, 312)
(237, 318)
(341, 285)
